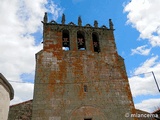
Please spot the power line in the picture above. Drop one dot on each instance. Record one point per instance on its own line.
(153, 77)
(85, 81)
(19, 81)
(140, 74)
(155, 81)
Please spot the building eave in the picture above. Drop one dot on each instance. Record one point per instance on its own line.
(7, 86)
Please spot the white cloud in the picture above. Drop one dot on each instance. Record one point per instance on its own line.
(24, 91)
(142, 50)
(19, 20)
(151, 64)
(149, 105)
(144, 16)
(145, 84)
(54, 9)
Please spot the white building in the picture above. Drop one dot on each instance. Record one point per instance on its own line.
(6, 94)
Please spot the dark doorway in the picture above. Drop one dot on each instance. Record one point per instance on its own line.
(87, 118)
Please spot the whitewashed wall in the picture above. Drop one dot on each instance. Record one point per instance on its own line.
(4, 103)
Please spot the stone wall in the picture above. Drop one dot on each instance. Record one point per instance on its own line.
(80, 84)
(21, 111)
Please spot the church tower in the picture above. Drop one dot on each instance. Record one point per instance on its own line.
(79, 74)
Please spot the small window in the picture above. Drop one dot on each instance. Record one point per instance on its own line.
(65, 40)
(85, 88)
(96, 46)
(81, 40)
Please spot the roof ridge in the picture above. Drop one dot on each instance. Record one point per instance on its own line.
(21, 103)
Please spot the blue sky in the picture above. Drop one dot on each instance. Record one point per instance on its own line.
(102, 12)
(137, 37)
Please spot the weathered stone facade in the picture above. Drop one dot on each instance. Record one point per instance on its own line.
(79, 74)
(21, 111)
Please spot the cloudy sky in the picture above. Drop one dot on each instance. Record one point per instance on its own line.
(137, 36)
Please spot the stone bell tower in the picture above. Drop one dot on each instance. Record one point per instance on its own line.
(79, 74)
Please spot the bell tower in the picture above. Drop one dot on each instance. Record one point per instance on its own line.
(79, 74)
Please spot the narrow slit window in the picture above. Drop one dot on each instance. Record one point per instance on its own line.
(65, 40)
(96, 46)
(81, 40)
(85, 88)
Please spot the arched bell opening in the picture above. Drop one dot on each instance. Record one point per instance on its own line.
(81, 40)
(95, 40)
(65, 40)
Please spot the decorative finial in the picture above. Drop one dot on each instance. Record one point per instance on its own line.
(45, 19)
(95, 23)
(63, 19)
(111, 24)
(79, 21)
